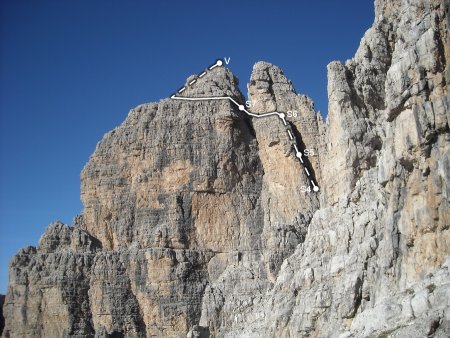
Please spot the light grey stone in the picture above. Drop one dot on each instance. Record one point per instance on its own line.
(194, 222)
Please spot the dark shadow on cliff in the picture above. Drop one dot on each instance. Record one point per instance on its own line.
(2, 319)
(302, 147)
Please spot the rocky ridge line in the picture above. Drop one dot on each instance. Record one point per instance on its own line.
(194, 222)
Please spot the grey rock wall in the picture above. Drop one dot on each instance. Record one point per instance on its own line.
(195, 223)
(375, 258)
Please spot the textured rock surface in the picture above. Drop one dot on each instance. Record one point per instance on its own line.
(195, 223)
(375, 258)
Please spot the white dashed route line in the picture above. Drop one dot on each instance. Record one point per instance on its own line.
(281, 116)
(240, 106)
(290, 135)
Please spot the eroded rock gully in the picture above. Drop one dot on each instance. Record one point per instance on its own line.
(194, 222)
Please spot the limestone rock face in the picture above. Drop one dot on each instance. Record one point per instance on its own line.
(198, 220)
(181, 175)
(175, 204)
(375, 259)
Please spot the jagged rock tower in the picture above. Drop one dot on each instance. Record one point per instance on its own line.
(195, 222)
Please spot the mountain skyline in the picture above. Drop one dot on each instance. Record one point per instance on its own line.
(71, 72)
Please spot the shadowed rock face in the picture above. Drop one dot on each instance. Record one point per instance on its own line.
(2, 319)
(195, 222)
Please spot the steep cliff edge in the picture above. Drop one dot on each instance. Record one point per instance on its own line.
(176, 199)
(195, 221)
(375, 260)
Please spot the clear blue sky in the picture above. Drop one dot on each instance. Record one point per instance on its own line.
(71, 70)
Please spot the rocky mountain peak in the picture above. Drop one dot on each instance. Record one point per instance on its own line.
(218, 81)
(200, 220)
(267, 84)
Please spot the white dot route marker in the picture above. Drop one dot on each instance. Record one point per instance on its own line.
(241, 107)
(218, 63)
(315, 187)
(298, 154)
(282, 117)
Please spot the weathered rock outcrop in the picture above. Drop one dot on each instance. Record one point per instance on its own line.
(196, 221)
(375, 260)
(176, 198)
